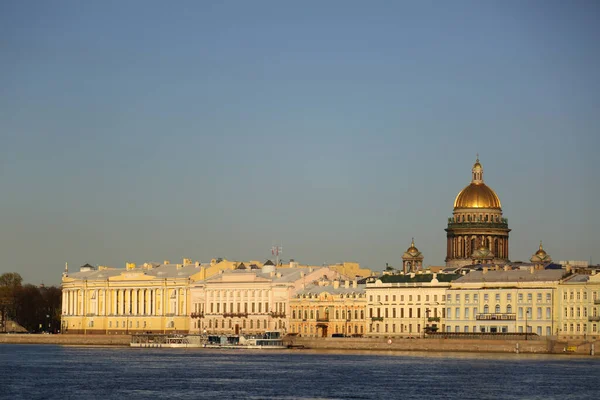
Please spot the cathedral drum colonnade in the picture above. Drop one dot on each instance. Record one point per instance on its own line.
(477, 232)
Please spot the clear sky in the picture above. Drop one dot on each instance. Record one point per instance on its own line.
(134, 131)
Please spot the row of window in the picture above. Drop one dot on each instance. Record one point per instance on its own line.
(391, 328)
(497, 297)
(573, 312)
(497, 310)
(245, 307)
(572, 295)
(314, 314)
(409, 297)
(312, 330)
(410, 312)
(237, 293)
(579, 328)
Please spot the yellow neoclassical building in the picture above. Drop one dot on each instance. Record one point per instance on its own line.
(150, 297)
(406, 305)
(504, 300)
(578, 307)
(327, 308)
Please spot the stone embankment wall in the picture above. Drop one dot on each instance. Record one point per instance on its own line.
(83, 340)
(455, 345)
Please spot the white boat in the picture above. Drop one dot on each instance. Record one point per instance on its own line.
(269, 340)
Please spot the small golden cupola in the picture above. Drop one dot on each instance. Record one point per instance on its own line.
(540, 256)
(412, 259)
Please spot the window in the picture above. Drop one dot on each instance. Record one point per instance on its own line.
(386, 299)
(509, 309)
(466, 329)
(394, 298)
(457, 297)
(497, 310)
(486, 297)
(467, 298)
(520, 312)
(548, 297)
(449, 313)
(475, 297)
(539, 297)
(497, 297)
(539, 313)
(509, 297)
(466, 313)
(401, 297)
(427, 298)
(520, 297)
(474, 313)
(486, 309)
(410, 297)
(529, 297)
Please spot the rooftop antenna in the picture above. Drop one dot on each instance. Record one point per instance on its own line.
(276, 251)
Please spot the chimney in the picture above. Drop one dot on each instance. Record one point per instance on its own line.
(336, 284)
(346, 284)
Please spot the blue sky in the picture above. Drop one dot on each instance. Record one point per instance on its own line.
(142, 131)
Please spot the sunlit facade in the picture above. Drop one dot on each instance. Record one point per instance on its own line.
(329, 308)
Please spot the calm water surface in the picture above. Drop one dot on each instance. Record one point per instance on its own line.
(58, 372)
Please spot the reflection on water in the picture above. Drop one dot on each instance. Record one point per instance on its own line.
(48, 372)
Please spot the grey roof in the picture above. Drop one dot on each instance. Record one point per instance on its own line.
(578, 278)
(512, 276)
(160, 271)
(281, 275)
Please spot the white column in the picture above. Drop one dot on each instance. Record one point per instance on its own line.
(134, 301)
(184, 301)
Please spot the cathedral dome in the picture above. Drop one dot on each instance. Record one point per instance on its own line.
(477, 194)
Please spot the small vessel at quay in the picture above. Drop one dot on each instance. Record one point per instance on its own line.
(268, 340)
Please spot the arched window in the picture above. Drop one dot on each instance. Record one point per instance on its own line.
(497, 308)
(509, 309)
(486, 309)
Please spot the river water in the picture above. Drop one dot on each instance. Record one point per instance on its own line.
(63, 372)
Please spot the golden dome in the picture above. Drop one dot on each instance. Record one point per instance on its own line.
(541, 252)
(412, 249)
(477, 196)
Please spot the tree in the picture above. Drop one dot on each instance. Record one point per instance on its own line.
(10, 284)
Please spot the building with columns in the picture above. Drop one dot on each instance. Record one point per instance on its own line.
(149, 298)
(477, 232)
